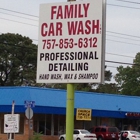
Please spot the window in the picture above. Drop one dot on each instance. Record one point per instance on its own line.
(84, 131)
(97, 129)
(49, 124)
(103, 129)
(76, 132)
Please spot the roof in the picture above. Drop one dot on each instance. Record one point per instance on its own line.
(49, 100)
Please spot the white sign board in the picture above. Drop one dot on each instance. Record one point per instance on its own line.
(71, 47)
(11, 123)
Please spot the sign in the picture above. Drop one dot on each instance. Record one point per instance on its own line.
(29, 113)
(83, 114)
(29, 104)
(71, 42)
(11, 123)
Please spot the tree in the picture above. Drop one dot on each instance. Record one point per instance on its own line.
(18, 57)
(128, 78)
(108, 88)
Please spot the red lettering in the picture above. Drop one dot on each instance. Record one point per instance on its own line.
(59, 28)
(68, 11)
(75, 11)
(52, 29)
(83, 27)
(53, 8)
(59, 13)
(86, 6)
(43, 27)
(87, 25)
(80, 28)
(72, 26)
(95, 26)
(80, 15)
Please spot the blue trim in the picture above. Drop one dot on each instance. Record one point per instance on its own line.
(53, 101)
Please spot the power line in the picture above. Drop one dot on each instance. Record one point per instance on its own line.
(112, 67)
(123, 6)
(120, 55)
(18, 12)
(18, 16)
(123, 34)
(121, 62)
(123, 42)
(128, 1)
(18, 22)
(122, 37)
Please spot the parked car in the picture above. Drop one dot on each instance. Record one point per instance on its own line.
(129, 135)
(105, 132)
(80, 134)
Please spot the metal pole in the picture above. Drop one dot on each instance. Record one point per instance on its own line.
(29, 121)
(70, 112)
(13, 107)
(70, 109)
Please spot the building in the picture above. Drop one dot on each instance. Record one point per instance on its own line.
(50, 110)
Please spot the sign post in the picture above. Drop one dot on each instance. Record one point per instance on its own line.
(11, 123)
(70, 112)
(29, 112)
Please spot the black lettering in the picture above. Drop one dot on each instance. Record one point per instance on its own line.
(64, 67)
(66, 56)
(86, 66)
(80, 55)
(47, 57)
(96, 55)
(57, 55)
(61, 56)
(41, 56)
(52, 56)
(50, 67)
(72, 56)
(85, 55)
(55, 67)
(61, 66)
(91, 56)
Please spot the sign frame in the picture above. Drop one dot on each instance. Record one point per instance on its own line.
(11, 123)
(83, 114)
(58, 61)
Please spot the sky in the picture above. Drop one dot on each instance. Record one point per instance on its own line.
(122, 26)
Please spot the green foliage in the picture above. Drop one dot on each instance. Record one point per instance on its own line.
(108, 88)
(128, 78)
(18, 58)
(36, 136)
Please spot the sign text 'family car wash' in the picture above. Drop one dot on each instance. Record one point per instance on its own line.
(71, 45)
